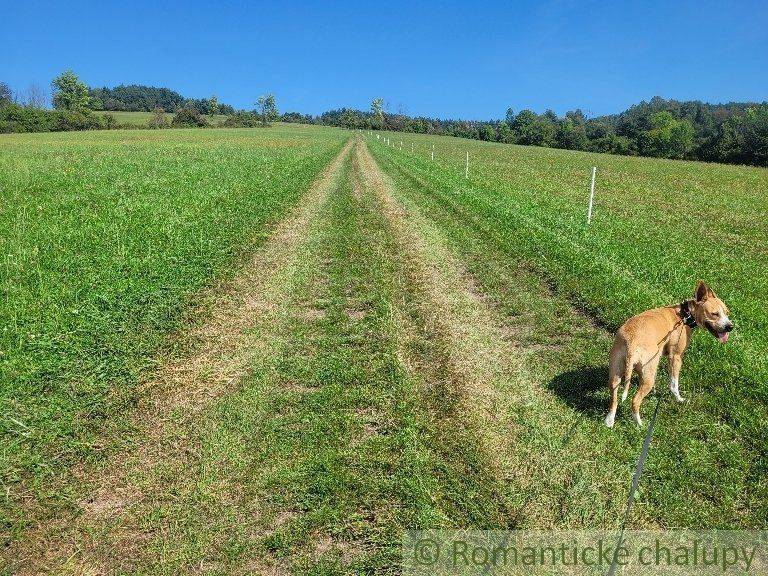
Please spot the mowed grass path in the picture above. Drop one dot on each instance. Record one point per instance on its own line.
(393, 354)
(105, 237)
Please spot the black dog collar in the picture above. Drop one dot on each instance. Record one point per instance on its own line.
(686, 316)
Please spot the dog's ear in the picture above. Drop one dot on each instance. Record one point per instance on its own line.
(702, 291)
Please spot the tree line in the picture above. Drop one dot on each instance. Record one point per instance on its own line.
(139, 98)
(731, 133)
(74, 103)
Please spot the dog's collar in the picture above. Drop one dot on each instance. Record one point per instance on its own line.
(686, 316)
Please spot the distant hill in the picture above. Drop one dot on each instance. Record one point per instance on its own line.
(139, 98)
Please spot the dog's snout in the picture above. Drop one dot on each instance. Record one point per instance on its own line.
(728, 327)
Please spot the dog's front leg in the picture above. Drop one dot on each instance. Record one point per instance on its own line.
(675, 362)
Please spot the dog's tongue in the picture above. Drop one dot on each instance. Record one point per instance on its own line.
(723, 337)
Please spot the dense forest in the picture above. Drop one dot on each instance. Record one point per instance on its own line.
(734, 133)
(731, 133)
(138, 98)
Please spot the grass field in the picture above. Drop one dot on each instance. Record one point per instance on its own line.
(106, 239)
(271, 351)
(658, 227)
(143, 118)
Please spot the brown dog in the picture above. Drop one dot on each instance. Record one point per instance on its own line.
(644, 339)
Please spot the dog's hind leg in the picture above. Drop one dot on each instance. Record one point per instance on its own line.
(615, 367)
(647, 382)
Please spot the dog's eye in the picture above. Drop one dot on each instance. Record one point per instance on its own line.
(715, 314)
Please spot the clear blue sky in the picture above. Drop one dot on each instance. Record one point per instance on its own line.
(452, 59)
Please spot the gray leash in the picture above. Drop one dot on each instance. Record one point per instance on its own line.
(635, 484)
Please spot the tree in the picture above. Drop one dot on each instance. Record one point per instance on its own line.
(267, 109)
(667, 137)
(377, 109)
(35, 96)
(754, 135)
(69, 93)
(137, 97)
(488, 133)
(6, 95)
(213, 105)
(572, 132)
(534, 130)
(523, 126)
(505, 133)
(349, 119)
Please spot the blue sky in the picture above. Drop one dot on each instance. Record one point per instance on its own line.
(449, 59)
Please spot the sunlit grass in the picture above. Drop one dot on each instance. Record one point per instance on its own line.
(659, 226)
(104, 237)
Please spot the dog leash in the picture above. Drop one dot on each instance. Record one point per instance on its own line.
(635, 484)
(686, 318)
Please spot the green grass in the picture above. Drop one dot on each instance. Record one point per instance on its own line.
(105, 238)
(143, 118)
(658, 227)
(427, 350)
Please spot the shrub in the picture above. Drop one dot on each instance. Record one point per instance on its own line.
(241, 120)
(65, 120)
(188, 117)
(159, 119)
(15, 118)
(109, 121)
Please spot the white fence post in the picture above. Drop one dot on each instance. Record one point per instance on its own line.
(591, 194)
(411, 147)
(433, 152)
(466, 166)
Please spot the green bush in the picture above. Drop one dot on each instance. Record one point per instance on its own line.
(109, 121)
(188, 117)
(66, 120)
(15, 118)
(159, 120)
(241, 120)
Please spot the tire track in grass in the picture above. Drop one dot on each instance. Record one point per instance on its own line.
(355, 446)
(347, 456)
(539, 443)
(240, 336)
(450, 346)
(314, 464)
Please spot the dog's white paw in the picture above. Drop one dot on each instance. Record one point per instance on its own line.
(638, 420)
(610, 419)
(679, 398)
(624, 395)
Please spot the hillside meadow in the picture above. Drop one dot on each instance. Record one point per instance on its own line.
(141, 119)
(357, 340)
(106, 238)
(658, 227)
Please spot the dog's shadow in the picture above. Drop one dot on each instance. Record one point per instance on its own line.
(583, 389)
